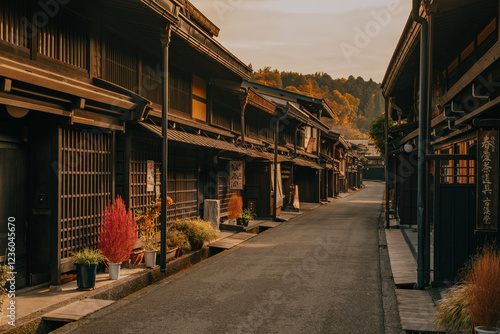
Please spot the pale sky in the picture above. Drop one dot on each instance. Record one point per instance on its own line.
(339, 37)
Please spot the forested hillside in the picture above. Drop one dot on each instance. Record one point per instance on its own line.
(356, 102)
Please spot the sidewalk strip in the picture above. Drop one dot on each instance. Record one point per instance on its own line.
(416, 310)
(404, 268)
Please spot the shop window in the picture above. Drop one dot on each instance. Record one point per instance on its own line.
(180, 91)
(199, 98)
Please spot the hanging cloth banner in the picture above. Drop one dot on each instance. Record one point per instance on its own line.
(279, 197)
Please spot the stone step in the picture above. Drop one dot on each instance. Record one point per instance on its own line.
(77, 310)
(229, 242)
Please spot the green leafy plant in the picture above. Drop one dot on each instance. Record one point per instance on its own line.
(88, 256)
(452, 313)
(197, 231)
(146, 224)
(176, 238)
(247, 214)
(377, 132)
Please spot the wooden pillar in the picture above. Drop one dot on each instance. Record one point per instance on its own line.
(55, 256)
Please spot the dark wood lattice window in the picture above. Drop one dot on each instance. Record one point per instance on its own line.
(224, 193)
(182, 178)
(65, 38)
(121, 62)
(152, 78)
(86, 177)
(222, 115)
(185, 183)
(142, 151)
(13, 29)
(180, 91)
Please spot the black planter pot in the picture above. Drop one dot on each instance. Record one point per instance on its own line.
(85, 276)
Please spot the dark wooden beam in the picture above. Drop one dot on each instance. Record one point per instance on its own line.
(486, 61)
(6, 85)
(27, 103)
(62, 84)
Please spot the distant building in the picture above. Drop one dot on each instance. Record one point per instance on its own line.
(373, 166)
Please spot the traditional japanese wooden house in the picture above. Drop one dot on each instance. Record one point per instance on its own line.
(373, 166)
(299, 139)
(333, 149)
(458, 48)
(80, 109)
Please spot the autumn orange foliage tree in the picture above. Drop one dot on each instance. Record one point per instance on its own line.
(118, 232)
(356, 102)
(234, 206)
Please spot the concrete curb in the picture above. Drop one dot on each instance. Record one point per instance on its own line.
(392, 322)
(120, 289)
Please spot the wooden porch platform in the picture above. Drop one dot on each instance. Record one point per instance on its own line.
(416, 310)
(403, 265)
(77, 310)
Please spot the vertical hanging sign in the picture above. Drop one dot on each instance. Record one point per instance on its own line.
(150, 179)
(236, 175)
(487, 181)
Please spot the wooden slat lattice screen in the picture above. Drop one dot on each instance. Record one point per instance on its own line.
(12, 28)
(65, 38)
(224, 193)
(86, 177)
(121, 62)
(182, 178)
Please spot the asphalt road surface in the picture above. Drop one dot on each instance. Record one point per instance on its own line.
(318, 273)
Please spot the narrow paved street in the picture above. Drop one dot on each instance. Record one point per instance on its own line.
(318, 273)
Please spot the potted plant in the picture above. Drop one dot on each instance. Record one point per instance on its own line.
(234, 207)
(483, 290)
(452, 313)
(473, 305)
(117, 236)
(148, 230)
(177, 239)
(246, 216)
(86, 261)
(197, 231)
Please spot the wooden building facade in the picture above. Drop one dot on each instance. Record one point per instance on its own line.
(80, 123)
(462, 139)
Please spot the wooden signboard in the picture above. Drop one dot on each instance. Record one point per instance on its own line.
(487, 181)
(236, 175)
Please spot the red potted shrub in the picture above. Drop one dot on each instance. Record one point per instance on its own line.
(234, 208)
(117, 236)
